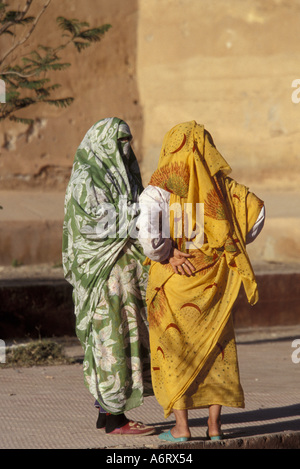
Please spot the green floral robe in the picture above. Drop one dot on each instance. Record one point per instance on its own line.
(103, 261)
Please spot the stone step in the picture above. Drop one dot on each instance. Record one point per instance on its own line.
(38, 303)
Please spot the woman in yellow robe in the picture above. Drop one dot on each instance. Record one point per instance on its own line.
(195, 275)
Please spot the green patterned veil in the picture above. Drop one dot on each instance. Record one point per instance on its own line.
(99, 214)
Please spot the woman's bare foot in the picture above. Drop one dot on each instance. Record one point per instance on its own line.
(181, 428)
(214, 420)
(214, 428)
(179, 432)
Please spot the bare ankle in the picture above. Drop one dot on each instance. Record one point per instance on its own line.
(214, 426)
(181, 431)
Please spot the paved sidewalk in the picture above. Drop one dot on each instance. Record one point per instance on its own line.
(50, 408)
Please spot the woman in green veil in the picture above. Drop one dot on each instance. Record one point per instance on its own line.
(103, 262)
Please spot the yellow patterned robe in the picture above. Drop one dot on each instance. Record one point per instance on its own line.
(193, 352)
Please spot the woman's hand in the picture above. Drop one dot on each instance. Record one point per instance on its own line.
(180, 263)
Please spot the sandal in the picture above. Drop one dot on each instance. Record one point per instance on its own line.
(167, 436)
(133, 429)
(214, 437)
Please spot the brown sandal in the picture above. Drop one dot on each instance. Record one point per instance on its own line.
(133, 429)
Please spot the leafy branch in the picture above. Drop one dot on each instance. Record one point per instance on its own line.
(26, 80)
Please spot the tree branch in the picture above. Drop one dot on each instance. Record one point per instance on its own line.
(18, 18)
(18, 74)
(19, 43)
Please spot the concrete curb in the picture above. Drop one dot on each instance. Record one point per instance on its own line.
(284, 440)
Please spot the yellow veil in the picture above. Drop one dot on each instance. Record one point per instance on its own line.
(188, 315)
(192, 169)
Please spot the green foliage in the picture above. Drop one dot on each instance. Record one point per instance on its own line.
(12, 17)
(81, 38)
(27, 80)
(37, 353)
